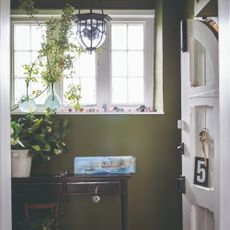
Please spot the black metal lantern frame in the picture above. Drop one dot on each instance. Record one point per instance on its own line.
(91, 28)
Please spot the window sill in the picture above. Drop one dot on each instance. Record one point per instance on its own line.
(92, 110)
(18, 112)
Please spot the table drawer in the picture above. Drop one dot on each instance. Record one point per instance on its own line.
(90, 187)
(37, 188)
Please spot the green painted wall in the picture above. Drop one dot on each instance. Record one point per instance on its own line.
(153, 199)
(189, 9)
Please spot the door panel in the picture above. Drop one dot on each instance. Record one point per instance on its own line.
(203, 50)
(202, 219)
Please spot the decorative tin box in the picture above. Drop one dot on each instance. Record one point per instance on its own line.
(105, 165)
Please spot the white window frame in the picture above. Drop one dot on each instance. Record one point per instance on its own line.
(103, 66)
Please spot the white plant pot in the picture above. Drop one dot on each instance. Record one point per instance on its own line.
(20, 163)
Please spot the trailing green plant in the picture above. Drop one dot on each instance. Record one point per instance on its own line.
(43, 135)
(57, 54)
(73, 94)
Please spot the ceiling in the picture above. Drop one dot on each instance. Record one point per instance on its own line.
(107, 4)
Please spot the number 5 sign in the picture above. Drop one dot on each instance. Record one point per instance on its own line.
(201, 171)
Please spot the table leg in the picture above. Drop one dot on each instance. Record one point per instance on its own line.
(124, 199)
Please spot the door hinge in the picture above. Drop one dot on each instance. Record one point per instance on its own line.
(181, 148)
(183, 36)
(181, 184)
(180, 124)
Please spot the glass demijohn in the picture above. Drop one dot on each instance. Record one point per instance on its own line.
(52, 101)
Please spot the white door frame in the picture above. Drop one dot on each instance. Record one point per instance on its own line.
(5, 171)
(224, 83)
(5, 159)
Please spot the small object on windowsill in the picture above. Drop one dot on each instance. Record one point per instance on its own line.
(90, 110)
(118, 109)
(104, 108)
(142, 108)
(61, 174)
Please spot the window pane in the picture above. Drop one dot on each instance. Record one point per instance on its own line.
(119, 91)
(119, 63)
(135, 63)
(20, 58)
(34, 56)
(88, 91)
(36, 37)
(119, 36)
(135, 37)
(38, 86)
(87, 64)
(19, 89)
(22, 37)
(135, 91)
(128, 66)
(85, 75)
(66, 83)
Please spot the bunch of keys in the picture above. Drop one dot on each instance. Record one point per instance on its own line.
(203, 140)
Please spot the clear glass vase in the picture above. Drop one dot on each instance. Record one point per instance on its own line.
(27, 104)
(52, 101)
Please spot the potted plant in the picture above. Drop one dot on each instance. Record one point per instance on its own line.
(20, 155)
(41, 136)
(57, 53)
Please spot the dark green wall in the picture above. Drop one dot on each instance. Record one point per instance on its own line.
(153, 199)
(152, 190)
(188, 9)
(211, 9)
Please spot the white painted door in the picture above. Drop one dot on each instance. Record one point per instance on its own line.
(200, 114)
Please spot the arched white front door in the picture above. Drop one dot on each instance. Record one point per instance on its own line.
(200, 129)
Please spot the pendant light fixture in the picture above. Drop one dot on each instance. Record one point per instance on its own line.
(91, 28)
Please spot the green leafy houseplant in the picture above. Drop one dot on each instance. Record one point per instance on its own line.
(43, 135)
(73, 94)
(57, 54)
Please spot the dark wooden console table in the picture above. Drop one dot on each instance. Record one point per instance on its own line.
(38, 188)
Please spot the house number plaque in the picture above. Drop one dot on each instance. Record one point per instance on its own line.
(201, 171)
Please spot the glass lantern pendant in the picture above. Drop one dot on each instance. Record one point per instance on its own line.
(91, 29)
